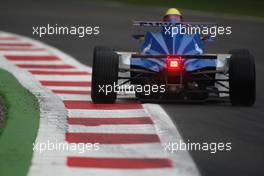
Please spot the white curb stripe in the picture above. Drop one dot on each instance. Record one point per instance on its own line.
(68, 88)
(115, 151)
(124, 129)
(25, 53)
(74, 97)
(107, 113)
(62, 78)
(52, 69)
(55, 62)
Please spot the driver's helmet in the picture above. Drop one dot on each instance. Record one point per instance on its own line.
(173, 15)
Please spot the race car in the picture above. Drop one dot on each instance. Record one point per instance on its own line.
(173, 68)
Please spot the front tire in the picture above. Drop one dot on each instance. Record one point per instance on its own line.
(105, 73)
(242, 81)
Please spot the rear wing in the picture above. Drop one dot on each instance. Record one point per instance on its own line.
(155, 24)
(169, 24)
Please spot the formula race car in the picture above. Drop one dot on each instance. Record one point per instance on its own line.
(172, 66)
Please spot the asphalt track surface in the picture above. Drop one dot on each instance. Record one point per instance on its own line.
(244, 127)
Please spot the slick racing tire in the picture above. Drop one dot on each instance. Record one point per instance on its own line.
(242, 81)
(101, 48)
(104, 74)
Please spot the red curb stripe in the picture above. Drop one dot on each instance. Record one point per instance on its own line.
(71, 92)
(111, 138)
(41, 72)
(22, 49)
(119, 163)
(109, 121)
(9, 38)
(89, 105)
(15, 44)
(66, 83)
(32, 58)
(44, 66)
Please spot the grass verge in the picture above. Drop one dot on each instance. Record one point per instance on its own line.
(247, 7)
(20, 128)
(2, 114)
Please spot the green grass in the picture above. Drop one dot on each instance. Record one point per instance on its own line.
(2, 114)
(20, 127)
(244, 7)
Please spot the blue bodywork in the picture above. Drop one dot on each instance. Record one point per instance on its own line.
(161, 43)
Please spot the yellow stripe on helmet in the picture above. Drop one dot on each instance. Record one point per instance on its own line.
(173, 11)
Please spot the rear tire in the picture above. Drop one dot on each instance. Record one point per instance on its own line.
(105, 73)
(101, 48)
(242, 81)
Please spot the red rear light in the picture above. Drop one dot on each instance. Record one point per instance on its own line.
(174, 63)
